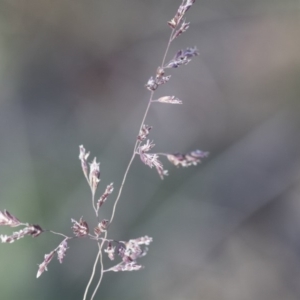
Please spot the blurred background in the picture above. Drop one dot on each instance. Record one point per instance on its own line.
(73, 72)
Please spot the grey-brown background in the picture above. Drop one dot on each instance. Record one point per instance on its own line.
(73, 72)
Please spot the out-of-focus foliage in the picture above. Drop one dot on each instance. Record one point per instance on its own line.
(73, 72)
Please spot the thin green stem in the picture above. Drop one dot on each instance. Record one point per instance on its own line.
(167, 49)
(58, 233)
(93, 201)
(130, 162)
(92, 276)
(138, 142)
(101, 265)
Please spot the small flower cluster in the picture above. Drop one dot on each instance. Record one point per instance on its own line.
(177, 159)
(144, 132)
(80, 228)
(60, 250)
(183, 8)
(188, 159)
(92, 176)
(129, 252)
(182, 57)
(154, 83)
(10, 220)
(101, 227)
(151, 159)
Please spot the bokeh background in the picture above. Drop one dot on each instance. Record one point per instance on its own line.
(73, 72)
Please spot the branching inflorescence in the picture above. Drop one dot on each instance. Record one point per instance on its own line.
(128, 251)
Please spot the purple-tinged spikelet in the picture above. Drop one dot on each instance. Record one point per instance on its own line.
(32, 230)
(83, 156)
(101, 227)
(80, 228)
(144, 132)
(61, 251)
(168, 99)
(183, 8)
(182, 57)
(103, 198)
(94, 176)
(44, 264)
(129, 252)
(8, 219)
(187, 159)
